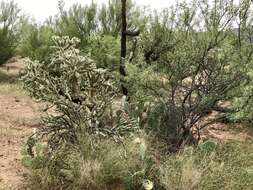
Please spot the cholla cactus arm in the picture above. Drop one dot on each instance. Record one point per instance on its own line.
(79, 92)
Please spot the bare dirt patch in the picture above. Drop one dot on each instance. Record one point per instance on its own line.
(19, 114)
(228, 132)
(18, 117)
(224, 132)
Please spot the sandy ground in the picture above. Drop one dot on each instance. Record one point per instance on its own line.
(225, 133)
(17, 120)
(18, 116)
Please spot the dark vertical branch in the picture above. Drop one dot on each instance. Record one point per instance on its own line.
(124, 33)
(131, 57)
(122, 69)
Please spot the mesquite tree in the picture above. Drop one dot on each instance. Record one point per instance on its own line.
(197, 69)
(9, 19)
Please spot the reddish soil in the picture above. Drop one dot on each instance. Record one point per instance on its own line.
(18, 116)
(224, 132)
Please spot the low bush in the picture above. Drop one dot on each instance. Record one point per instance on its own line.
(105, 51)
(242, 103)
(35, 41)
(9, 18)
(188, 72)
(105, 167)
(209, 166)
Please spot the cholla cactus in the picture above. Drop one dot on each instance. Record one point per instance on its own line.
(79, 92)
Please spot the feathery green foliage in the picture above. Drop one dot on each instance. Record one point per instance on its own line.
(9, 18)
(35, 41)
(193, 66)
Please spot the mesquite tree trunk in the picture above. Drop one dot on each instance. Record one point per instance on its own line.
(124, 33)
(122, 69)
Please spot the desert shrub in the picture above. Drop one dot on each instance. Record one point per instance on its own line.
(9, 18)
(209, 166)
(109, 17)
(192, 68)
(105, 51)
(242, 103)
(35, 40)
(105, 167)
(78, 21)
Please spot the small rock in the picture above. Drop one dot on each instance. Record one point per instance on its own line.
(17, 100)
